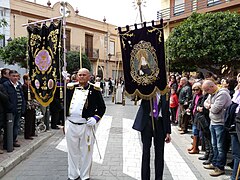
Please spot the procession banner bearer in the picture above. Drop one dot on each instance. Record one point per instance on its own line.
(86, 109)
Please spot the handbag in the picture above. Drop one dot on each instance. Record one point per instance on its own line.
(202, 120)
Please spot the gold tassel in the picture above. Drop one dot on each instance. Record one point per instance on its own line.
(135, 102)
(61, 93)
(29, 95)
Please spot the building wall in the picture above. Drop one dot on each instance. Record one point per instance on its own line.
(5, 14)
(23, 11)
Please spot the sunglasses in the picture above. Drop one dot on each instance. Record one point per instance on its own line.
(196, 89)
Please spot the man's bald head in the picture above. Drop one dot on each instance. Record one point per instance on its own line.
(83, 76)
(209, 86)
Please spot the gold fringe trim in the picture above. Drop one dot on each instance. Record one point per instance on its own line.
(137, 93)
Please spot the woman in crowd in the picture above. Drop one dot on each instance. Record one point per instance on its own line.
(30, 114)
(197, 97)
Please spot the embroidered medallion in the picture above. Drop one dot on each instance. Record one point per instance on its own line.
(43, 61)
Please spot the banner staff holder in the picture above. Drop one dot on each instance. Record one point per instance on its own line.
(42, 21)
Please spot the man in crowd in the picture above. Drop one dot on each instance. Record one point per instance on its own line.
(4, 75)
(86, 109)
(217, 102)
(3, 104)
(184, 96)
(16, 102)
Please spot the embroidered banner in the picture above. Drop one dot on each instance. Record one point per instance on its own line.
(44, 51)
(143, 60)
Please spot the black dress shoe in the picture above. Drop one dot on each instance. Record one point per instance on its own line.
(16, 145)
(203, 158)
(55, 127)
(29, 138)
(206, 162)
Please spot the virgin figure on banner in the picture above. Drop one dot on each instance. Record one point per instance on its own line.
(144, 67)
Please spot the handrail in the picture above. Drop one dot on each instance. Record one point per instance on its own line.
(190, 6)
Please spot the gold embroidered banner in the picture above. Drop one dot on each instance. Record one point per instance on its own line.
(143, 60)
(44, 50)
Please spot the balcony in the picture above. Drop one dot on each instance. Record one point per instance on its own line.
(184, 10)
(92, 54)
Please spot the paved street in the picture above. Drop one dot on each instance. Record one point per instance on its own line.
(120, 150)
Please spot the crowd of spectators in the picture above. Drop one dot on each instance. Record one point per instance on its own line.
(209, 107)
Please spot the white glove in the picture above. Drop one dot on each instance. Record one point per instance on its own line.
(91, 121)
(65, 74)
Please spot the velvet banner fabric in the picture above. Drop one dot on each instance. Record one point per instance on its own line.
(143, 60)
(44, 51)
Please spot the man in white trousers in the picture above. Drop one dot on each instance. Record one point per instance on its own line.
(86, 109)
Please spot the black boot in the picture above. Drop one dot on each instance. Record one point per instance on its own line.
(207, 150)
(210, 151)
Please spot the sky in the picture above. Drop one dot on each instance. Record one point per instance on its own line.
(116, 12)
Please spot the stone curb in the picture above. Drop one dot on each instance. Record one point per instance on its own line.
(21, 154)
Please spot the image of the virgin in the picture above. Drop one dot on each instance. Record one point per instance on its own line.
(37, 84)
(143, 66)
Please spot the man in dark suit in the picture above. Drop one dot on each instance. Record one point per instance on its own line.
(16, 102)
(161, 133)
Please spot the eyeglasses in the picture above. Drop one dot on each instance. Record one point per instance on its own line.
(196, 89)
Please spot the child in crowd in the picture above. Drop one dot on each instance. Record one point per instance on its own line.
(173, 105)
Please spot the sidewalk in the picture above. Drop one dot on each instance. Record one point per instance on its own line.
(9, 160)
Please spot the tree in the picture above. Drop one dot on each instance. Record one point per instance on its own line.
(73, 59)
(3, 23)
(15, 52)
(210, 41)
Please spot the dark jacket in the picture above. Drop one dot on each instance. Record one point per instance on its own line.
(144, 112)
(3, 104)
(185, 95)
(3, 79)
(12, 94)
(192, 105)
(94, 106)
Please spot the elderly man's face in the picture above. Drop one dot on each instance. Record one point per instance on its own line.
(208, 89)
(182, 82)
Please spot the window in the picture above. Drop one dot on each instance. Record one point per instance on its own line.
(89, 45)
(112, 48)
(213, 2)
(179, 7)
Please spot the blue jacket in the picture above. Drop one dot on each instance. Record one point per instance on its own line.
(143, 115)
(12, 95)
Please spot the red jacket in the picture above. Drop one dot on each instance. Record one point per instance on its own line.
(173, 100)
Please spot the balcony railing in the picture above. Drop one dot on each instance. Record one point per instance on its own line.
(190, 6)
(92, 53)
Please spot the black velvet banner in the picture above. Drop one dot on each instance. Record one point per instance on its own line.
(143, 60)
(44, 51)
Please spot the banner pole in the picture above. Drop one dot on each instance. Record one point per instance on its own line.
(80, 56)
(64, 4)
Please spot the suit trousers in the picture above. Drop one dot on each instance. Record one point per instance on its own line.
(159, 140)
(80, 142)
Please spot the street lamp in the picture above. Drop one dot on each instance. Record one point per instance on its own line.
(9, 40)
